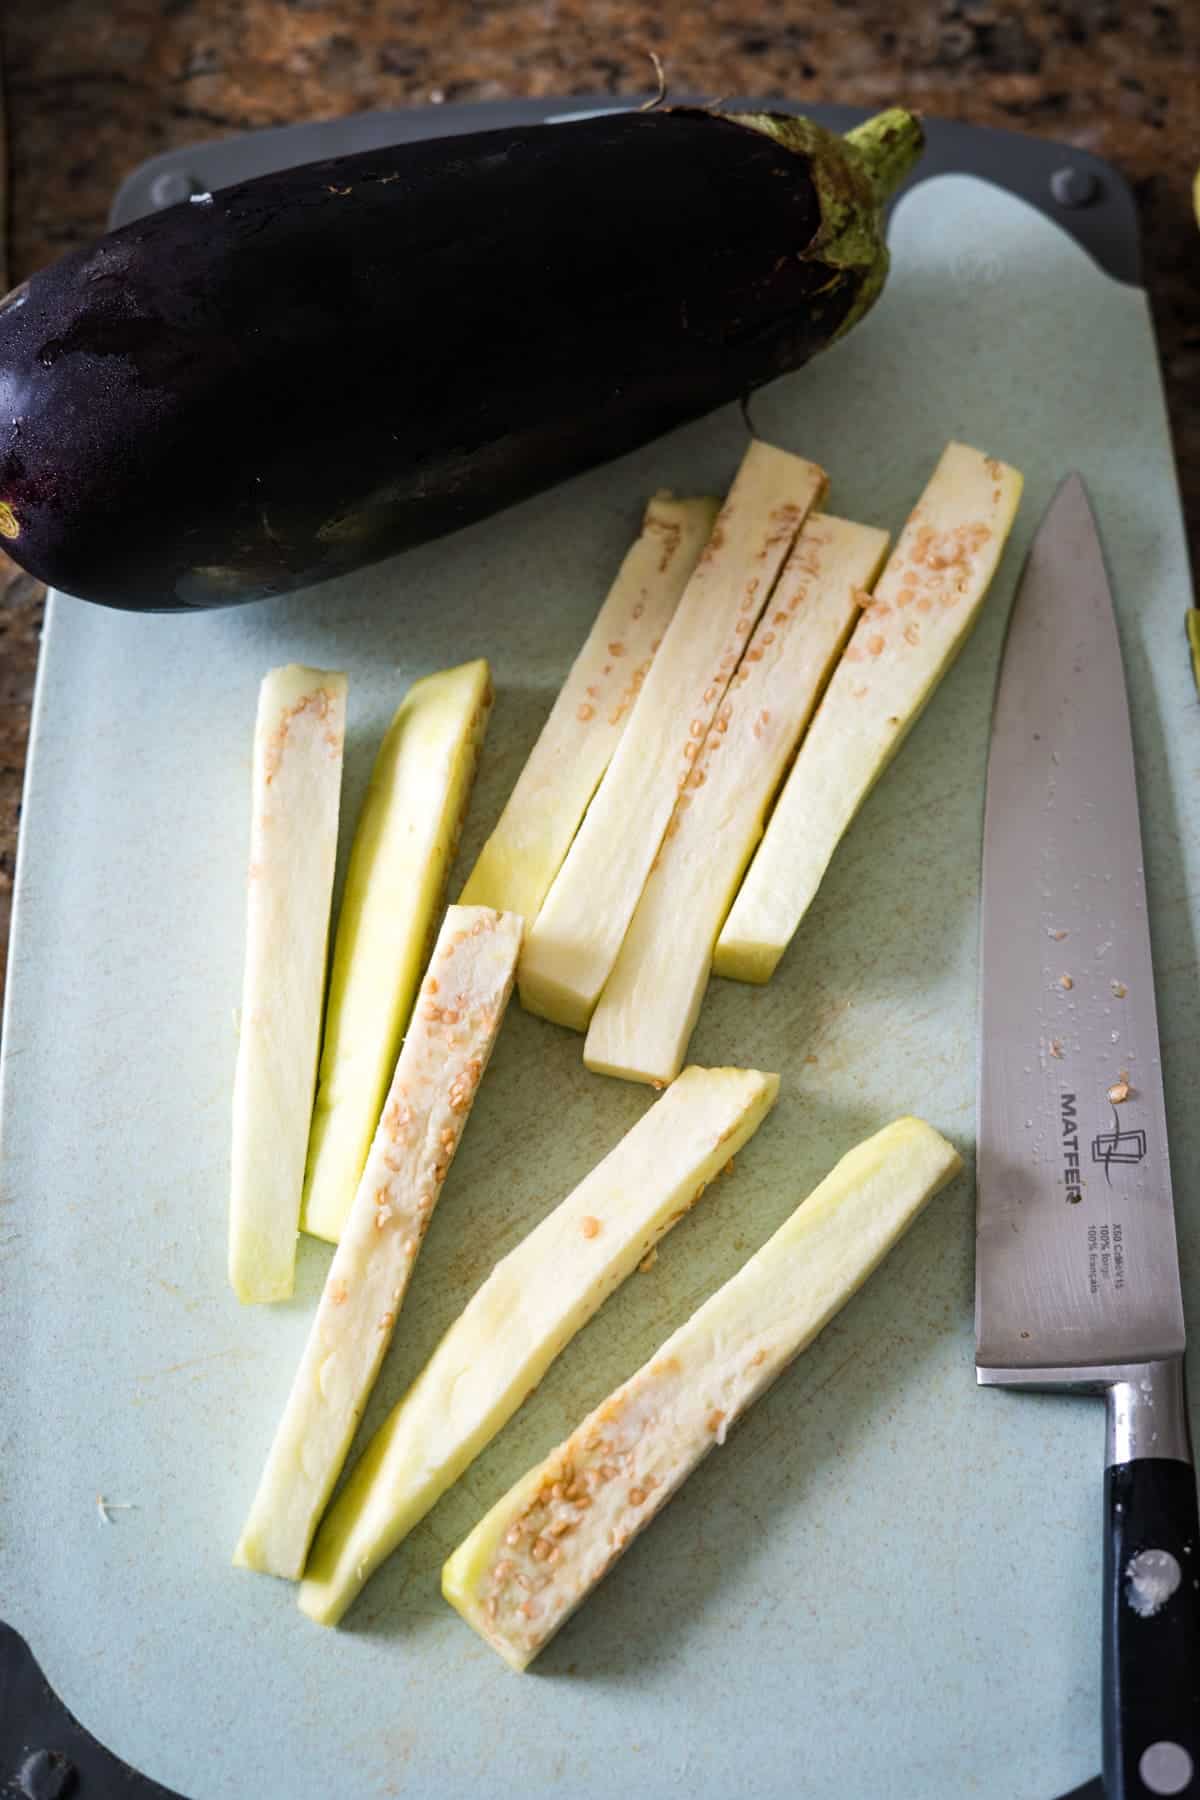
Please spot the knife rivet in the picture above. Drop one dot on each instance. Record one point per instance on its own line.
(46, 1776)
(1150, 1580)
(1074, 187)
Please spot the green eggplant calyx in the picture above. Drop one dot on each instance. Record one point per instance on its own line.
(853, 176)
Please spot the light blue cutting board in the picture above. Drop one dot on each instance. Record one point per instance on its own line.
(887, 1584)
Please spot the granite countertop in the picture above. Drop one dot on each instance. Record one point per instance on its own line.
(96, 86)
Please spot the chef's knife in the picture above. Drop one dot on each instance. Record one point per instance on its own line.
(1077, 1274)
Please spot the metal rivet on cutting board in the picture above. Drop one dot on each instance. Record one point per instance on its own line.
(1074, 187)
(1165, 1768)
(169, 188)
(46, 1776)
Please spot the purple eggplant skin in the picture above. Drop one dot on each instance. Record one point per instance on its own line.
(289, 379)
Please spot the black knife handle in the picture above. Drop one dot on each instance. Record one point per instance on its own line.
(1151, 1629)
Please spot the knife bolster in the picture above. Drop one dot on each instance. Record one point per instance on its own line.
(1147, 1414)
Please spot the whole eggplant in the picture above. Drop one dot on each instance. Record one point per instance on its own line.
(284, 380)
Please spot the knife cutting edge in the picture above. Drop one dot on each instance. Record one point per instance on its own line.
(1077, 1273)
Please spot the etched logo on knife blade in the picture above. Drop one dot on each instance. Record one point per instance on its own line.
(1108, 1147)
(1117, 1146)
(1070, 1150)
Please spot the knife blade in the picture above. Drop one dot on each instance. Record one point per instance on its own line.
(1077, 1272)
(1077, 1262)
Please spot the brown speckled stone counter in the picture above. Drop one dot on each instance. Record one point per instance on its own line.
(96, 86)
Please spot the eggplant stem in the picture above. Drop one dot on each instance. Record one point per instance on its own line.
(888, 144)
(658, 98)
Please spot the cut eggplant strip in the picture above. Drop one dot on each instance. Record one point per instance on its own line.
(539, 821)
(526, 1312)
(572, 946)
(403, 847)
(455, 1025)
(926, 602)
(297, 784)
(541, 1550)
(651, 1001)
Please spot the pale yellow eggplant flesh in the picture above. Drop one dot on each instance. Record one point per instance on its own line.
(454, 1028)
(535, 1557)
(573, 943)
(403, 847)
(575, 746)
(527, 1311)
(924, 606)
(295, 797)
(650, 1004)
